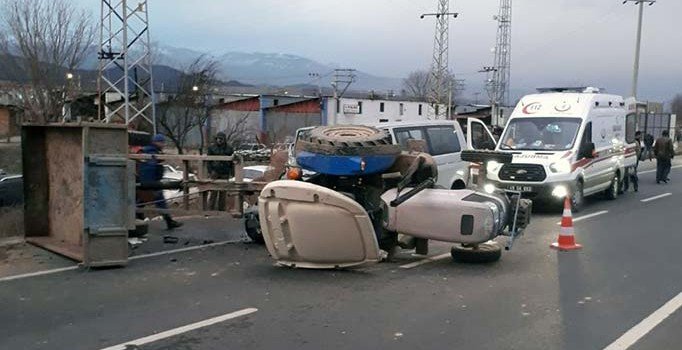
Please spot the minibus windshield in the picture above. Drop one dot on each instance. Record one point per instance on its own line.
(540, 134)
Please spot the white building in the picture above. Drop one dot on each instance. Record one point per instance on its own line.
(372, 111)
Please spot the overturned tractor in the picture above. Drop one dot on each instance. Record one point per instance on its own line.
(365, 192)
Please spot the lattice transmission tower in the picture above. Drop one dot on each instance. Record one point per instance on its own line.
(499, 74)
(125, 84)
(440, 74)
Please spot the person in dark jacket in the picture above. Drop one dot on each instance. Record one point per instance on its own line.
(648, 147)
(151, 171)
(664, 151)
(219, 170)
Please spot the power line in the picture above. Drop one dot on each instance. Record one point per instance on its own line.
(497, 83)
(125, 85)
(439, 68)
(343, 78)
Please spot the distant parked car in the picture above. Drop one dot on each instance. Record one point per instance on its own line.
(254, 172)
(171, 173)
(11, 190)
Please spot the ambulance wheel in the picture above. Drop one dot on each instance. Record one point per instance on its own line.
(578, 197)
(483, 253)
(612, 191)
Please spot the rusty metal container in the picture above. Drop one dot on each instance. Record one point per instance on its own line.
(79, 191)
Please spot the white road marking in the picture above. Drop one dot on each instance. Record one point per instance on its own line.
(641, 329)
(38, 273)
(580, 218)
(180, 330)
(166, 252)
(656, 197)
(654, 170)
(143, 256)
(425, 261)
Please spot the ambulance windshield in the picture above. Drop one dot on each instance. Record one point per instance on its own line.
(540, 134)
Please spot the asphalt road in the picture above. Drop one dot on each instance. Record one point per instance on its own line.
(534, 298)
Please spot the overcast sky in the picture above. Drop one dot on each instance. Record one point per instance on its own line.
(554, 41)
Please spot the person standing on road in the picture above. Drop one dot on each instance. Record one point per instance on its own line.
(633, 177)
(648, 146)
(219, 170)
(664, 151)
(151, 171)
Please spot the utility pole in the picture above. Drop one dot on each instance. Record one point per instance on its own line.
(497, 83)
(491, 88)
(638, 43)
(439, 68)
(124, 85)
(317, 77)
(343, 78)
(456, 87)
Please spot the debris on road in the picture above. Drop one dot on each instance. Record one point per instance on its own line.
(170, 239)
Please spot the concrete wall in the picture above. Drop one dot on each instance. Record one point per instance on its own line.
(5, 122)
(10, 123)
(371, 113)
(280, 125)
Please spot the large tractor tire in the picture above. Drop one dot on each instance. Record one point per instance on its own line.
(482, 253)
(355, 140)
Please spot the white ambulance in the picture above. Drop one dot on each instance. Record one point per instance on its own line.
(567, 142)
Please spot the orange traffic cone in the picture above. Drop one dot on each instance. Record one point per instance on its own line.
(566, 237)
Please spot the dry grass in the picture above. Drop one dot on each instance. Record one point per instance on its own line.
(11, 222)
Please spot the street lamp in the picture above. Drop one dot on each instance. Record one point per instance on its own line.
(69, 76)
(195, 88)
(638, 45)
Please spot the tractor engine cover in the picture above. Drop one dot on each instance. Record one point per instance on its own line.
(457, 216)
(310, 226)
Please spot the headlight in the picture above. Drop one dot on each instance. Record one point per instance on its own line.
(492, 166)
(562, 166)
(560, 191)
(489, 188)
(496, 217)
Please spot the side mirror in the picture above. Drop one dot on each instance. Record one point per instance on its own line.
(587, 150)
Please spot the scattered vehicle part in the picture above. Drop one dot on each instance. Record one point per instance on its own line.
(252, 225)
(170, 239)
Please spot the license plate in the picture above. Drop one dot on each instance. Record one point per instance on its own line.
(520, 188)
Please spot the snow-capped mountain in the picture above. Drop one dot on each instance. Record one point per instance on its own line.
(270, 68)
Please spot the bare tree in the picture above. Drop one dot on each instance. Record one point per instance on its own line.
(417, 84)
(41, 41)
(187, 111)
(237, 131)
